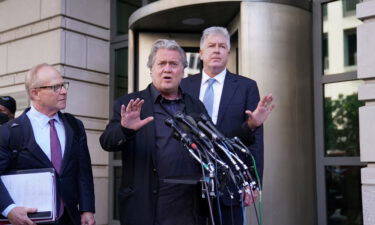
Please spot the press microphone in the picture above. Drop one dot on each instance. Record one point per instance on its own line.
(238, 146)
(235, 143)
(190, 145)
(189, 122)
(208, 131)
(185, 139)
(210, 125)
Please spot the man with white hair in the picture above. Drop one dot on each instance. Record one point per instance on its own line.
(230, 100)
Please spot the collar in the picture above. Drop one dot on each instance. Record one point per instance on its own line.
(41, 118)
(219, 77)
(156, 96)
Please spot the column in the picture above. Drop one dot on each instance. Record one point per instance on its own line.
(366, 92)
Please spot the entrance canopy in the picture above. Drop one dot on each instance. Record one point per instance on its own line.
(184, 15)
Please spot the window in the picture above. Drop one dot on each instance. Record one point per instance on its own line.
(324, 11)
(339, 42)
(123, 11)
(116, 186)
(341, 126)
(350, 47)
(120, 13)
(343, 185)
(349, 7)
(337, 147)
(194, 63)
(121, 72)
(325, 51)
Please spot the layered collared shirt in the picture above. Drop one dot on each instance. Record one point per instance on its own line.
(41, 130)
(218, 90)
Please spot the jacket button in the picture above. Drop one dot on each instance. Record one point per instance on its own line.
(154, 170)
(155, 191)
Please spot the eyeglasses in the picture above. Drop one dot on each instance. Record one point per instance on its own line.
(56, 87)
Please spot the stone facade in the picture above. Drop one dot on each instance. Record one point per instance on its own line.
(74, 37)
(366, 71)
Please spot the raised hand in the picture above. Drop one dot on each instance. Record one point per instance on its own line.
(260, 114)
(130, 116)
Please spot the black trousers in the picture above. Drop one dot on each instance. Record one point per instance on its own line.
(230, 215)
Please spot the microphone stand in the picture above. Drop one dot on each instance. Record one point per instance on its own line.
(208, 185)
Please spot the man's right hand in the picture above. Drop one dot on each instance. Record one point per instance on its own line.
(18, 216)
(130, 117)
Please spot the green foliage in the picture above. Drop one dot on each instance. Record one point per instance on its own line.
(341, 125)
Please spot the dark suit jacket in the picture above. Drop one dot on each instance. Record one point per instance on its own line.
(239, 94)
(139, 185)
(75, 183)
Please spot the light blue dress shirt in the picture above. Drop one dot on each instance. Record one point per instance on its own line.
(218, 89)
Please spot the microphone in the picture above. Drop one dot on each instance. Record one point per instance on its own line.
(192, 127)
(208, 131)
(235, 143)
(239, 147)
(189, 144)
(209, 123)
(189, 122)
(184, 138)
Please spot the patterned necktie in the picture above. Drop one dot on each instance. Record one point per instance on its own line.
(56, 154)
(56, 157)
(208, 99)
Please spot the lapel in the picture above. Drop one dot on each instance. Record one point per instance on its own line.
(229, 89)
(195, 85)
(148, 110)
(29, 139)
(69, 137)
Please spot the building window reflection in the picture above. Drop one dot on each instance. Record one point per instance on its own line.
(341, 126)
(325, 51)
(121, 72)
(339, 29)
(194, 61)
(338, 151)
(124, 9)
(344, 205)
(117, 173)
(324, 11)
(349, 7)
(350, 47)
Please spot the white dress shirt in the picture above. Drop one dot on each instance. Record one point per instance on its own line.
(40, 126)
(218, 89)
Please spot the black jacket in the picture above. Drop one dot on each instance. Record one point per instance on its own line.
(75, 182)
(139, 185)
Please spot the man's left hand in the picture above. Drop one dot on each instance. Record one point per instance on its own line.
(260, 114)
(87, 218)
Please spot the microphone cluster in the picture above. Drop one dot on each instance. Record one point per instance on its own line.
(221, 158)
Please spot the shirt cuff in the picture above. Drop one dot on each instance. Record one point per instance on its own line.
(8, 209)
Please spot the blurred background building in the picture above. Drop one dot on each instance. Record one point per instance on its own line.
(315, 56)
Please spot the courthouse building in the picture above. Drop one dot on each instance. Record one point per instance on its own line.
(317, 57)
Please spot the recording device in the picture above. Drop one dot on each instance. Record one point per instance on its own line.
(179, 134)
(179, 116)
(208, 141)
(207, 145)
